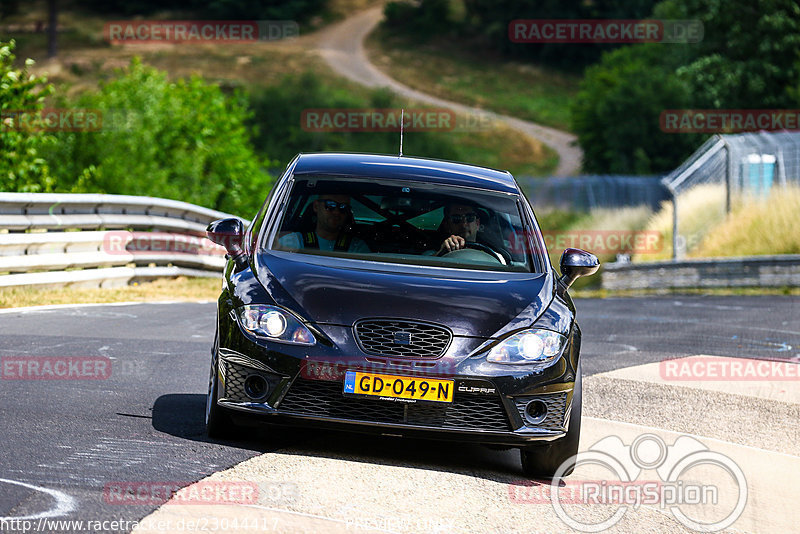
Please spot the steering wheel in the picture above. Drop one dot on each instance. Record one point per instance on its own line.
(496, 254)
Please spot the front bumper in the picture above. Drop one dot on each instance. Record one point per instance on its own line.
(491, 418)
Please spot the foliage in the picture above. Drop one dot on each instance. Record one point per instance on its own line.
(485, 22)
(616, 114)
(748, 59)
(21, 166)
(297, 10)
(8, 8)
(277, 112)
(183, 140)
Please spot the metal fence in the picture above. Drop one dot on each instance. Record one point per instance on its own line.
(724, 168)
(583, 193)
(102, 240)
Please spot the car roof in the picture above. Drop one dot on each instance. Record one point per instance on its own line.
(406, 168)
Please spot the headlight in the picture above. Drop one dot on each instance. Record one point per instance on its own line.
(533, 346)
(274, 324)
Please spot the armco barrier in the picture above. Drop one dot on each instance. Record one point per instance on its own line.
(753, 271)
(102, 240)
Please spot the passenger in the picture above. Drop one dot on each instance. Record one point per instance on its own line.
(332, 231)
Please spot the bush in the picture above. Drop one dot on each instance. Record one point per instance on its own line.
(748, 58)
(277, 112)
(21, 166)
(184, 140)
(616, 114)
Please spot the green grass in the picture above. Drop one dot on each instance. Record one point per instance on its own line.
(445, 69)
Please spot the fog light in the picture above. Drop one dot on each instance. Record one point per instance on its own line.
(535, 412)
(256, 387)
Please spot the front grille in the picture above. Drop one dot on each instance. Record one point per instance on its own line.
(399, 338)
(556, 409)
(325, 399)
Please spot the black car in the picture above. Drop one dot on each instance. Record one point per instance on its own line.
(402, 296)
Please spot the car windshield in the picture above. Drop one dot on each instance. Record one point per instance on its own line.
(405, 222)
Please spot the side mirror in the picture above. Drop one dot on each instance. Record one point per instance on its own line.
(576, 263)
(228, 233)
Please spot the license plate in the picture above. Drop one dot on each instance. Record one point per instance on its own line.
(392, 387)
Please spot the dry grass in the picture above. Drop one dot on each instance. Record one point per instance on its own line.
(623, 219)
(179, 289)
(756, 227)
(700, 209)
(716, 292)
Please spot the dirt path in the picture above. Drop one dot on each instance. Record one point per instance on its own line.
(342, 46)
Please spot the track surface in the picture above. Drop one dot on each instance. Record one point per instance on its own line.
(145, 422)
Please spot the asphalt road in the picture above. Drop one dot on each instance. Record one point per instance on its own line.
(145, 421)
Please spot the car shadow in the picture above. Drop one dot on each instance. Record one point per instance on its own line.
(183, 416)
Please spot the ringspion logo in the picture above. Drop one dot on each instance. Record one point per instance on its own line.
(702, 489)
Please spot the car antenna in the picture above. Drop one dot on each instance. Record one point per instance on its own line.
(402, 114)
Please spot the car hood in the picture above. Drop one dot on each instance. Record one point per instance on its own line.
(337, 291)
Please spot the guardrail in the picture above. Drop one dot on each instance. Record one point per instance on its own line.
(103, 240)
(753, 271)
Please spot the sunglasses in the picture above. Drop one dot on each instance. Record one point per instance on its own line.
(331, 205)
(469, 217)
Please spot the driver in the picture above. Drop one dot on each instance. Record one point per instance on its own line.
(462, 222)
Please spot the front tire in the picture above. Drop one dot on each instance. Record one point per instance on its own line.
(219, 424)
(543, 460)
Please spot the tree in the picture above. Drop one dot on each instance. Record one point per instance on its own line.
(184, 140)
(616, 113)
(748, 59)
(22, 167)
